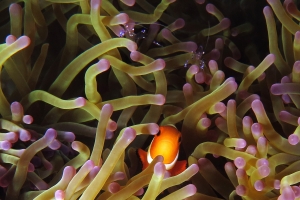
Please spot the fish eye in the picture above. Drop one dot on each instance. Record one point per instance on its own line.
(158, 133)
(179, 139)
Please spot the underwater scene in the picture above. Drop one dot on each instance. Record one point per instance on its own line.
(149, 99)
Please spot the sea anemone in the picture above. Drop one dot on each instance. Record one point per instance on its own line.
(84, 84)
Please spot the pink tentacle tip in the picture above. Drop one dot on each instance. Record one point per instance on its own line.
(55, 144)
(160, 64)
(251, 149)
(76, 145)
(239, 162)
(103, 65)
(139, 192)
(200, 1)
(109, 134)
(69, 136)
(114, 187)
(210, 8)
(59, 195)
(287, 193)
(247, 121)
(179, 23)
(194, 69)
(283, 115)
(240, 173)
(297, 37)
(159, 158)
(256, 130)
(270, 58)
(234, 32)
(187, 87)
(243, 94)
(30, 168)
(190, 189)
(48, 165)
(89, 165)
(286, 99)
(276, 89)
(167, 175)
(232, 83)
(202, 162)
(153, 128)
(112, 126)
(16, 107)
(15, 9)
(262, 77)
(213, 65)
(296, 66)
(214, 54)
(159, 99)
(267, 11)
(259, 185)
(5, 145)
(4, 182)
(119, 176)
(192, 46)
(241, 190)
(80, 101)
(200, 77)
(293, 139)
(128, 2)
(194, 168)
(220, 107)
(241, 143)
(23, 41)
(261, 162)
(131, 46)
(291, 7)
(170, 1)
(296, 190)
(107, 108)
(257, 106)
(10, 39)
(27, 119)
(11, 137)
(123, 18)
(50, 134)
(262, 141)
(24, 135)
(285, 79)
(159, 169)
(3, 170)
(208, 78)
(264, 171)
(95, 4)
(94, 171)
(135, 55)
(129, 135)
(225, 23)
(166, 33)
(69, 172)
(276, 184)
(219, 43)
(229, 166)
(205, 122)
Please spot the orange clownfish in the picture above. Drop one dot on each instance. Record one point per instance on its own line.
(165, 143)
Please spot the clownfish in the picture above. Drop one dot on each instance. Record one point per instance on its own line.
(165, 143)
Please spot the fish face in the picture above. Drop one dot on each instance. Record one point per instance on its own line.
(165, 143)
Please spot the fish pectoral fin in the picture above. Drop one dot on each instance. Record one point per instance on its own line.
(143, 157)
(179, 167)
